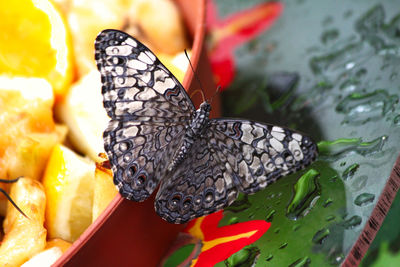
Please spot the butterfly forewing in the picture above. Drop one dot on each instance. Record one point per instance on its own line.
(148, 108)
(256, 154)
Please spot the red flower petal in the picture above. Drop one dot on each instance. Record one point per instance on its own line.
(219, 243)
(226, 35)
(223, 70)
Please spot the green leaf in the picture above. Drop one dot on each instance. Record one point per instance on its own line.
(346, 54)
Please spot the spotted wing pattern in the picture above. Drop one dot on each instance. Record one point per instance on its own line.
(149, 110)
(153, 120)
(197, 187)
(255, 154)
(231, 156)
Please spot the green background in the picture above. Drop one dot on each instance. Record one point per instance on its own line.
(331, 70)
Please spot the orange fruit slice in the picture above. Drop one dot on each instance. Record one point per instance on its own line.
(34, 42)
(68, 183)
(104, 190)
(29, 132)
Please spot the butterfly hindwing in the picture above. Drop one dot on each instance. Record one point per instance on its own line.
(148, 107)
(196, 188)
(134, 150)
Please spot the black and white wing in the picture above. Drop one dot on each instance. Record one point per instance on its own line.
(232, 156)
(197, 187)
(148, 108)
(256, 154)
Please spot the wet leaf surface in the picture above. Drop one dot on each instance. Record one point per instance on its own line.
(331, 70)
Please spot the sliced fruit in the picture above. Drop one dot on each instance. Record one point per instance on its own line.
(104, 190)
(54, 250)
(28, 130)
(150, 15)
(59, 243)
(68, 182)
(44, 258)
(86, 19)
(29, 88)
(24, 236)
(34, 42)
(82, 110)
(32, 153)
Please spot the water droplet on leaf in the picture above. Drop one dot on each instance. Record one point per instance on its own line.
(302, 262)
(270, 216)
(233, 220)
(333, 150)
(396, 120)
(320, 236)
(296, 227)
(247, 256)
(364, 199)
(359, 183)
(330, 218)
(305, 191)
(352, 222)
(240, 204)
(328, 202)
(283, 245)
(360, 108)
(350, 171)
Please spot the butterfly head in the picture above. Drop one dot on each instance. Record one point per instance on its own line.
(202, 114)
(205, 107)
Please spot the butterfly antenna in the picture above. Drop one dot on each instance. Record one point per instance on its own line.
(216, 92)
(195, 75)
(197, 91)
(8, 196)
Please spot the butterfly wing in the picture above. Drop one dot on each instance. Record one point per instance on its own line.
(196, 187)
(231, 156)
(257, 154)
(149, 110)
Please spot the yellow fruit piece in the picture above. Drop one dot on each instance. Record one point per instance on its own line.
(54, 250)
(24, 237)
(44, 258)
(34, 42)
(32, 153)
(68, 182)
(104, 190)
(86, 19)
(82, 110)
(29, 132)
(161, 23)
(59, 243)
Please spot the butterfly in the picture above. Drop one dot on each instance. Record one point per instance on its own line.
(156, 137)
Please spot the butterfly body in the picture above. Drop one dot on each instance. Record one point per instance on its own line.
(157, 137)
(193, 131)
